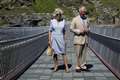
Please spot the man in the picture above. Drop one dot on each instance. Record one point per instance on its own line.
(79, 26)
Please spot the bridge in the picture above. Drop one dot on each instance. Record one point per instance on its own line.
(23, 55)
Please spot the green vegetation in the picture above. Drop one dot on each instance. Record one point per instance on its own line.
(111, 3)
(67, 12)
(16, 11)
(3, 22)
(45, 6)
(48, 6)
(14, 7)
(91, 9)
(92, 13)
(113, 8)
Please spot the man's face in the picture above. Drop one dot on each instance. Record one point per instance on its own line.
(82, 11)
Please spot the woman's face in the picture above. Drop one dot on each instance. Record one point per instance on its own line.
(58, 17)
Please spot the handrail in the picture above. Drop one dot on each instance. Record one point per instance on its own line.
(107, 49)
(16, 55)
(106, 36)
(22, 38)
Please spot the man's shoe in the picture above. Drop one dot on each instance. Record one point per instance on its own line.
(78, 70)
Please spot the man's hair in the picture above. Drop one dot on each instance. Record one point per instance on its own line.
(82, 5)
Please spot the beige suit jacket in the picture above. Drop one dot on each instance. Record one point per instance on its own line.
(77, 25)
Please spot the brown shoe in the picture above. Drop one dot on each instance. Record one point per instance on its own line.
(78, 70)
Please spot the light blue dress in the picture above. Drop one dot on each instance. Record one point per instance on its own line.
(57, 37)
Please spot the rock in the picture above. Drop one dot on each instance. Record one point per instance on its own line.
(31, 20)
(10, 4)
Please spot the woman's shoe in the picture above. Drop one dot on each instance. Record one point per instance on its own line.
(55, 69)
(67, 70)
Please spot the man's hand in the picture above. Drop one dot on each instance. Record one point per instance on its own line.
(86, 30)
(82, 30)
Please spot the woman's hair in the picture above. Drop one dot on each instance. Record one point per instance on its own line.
(57, 11)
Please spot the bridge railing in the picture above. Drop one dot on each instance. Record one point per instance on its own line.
(19, 48)
(9, 33)
(105, 42)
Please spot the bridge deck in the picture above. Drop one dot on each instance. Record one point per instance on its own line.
(41, 69)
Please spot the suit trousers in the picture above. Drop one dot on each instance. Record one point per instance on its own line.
(81, 51)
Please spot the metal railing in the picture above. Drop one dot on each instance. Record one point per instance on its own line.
(19, 48)
(105, 42)
(9, 33)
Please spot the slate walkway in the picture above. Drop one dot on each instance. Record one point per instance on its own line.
(41, 69)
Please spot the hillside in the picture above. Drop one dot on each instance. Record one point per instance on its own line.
(18, 7)
(99, 11)
(109, 11)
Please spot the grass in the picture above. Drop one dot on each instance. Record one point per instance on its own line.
(45, 6)
(48, 6)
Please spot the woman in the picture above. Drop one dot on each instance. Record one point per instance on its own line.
(57, 37)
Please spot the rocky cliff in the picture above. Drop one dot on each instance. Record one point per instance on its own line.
(11, 4)
(99, 11)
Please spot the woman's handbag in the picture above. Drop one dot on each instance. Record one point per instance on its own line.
(49, 51)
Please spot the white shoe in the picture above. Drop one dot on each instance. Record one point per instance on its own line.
(84, 67)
